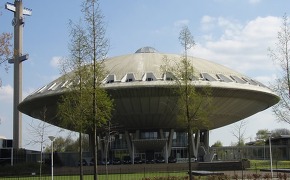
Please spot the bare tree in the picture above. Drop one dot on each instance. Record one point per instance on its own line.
(280, 55)
(98, 48)
(74, 105)
(87, 107)
(5, 50)
(239, 131)
(194, 105)
(39, 132)
(68, 144)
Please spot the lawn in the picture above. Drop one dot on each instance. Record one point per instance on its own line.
(256, 165)
(265, 164)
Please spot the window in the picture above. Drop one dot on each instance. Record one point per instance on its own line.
(149, 135)
(237, 79)
(208, 77)
(52, 86)
(110, 78)
(148, 77)
(128, 78)
(41, 89)
(168, 76)
(224, 78)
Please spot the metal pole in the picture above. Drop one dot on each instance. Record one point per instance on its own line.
(51, 160)
(264, 151)
(269, 135)
(52, 139)
(271, 157)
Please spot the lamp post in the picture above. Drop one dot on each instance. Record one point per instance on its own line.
(270, 135)
(51, 139)
(264, 149)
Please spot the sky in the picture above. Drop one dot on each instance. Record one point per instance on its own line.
(234, 33)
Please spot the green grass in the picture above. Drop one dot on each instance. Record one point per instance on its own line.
(256, 165)
(265, 164)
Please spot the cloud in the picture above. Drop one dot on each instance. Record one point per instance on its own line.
(207, 23)
(242, 47)
(254, 1)
(55, 61)
(6, 94)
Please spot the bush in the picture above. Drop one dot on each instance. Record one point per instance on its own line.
(267, 176)
(235, 176)
(256, 176)
(282, 176)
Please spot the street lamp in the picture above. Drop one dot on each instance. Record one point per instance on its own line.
(270, 135)
(51, 139)
(264, 148)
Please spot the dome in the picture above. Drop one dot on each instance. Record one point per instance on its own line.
(143, 94)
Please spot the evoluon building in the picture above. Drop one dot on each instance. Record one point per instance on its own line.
(144, 110)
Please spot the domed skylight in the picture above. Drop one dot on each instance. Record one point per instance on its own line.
(146, 49)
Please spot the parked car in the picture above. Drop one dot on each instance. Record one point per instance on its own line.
(150, 160)
(126, 160)
(160, 159)
(138, 160)
(104, 162)
(84, 162)
(116, 161)
(92, 162)
(171, 159)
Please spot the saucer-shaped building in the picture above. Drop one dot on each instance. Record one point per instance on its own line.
(145, 109)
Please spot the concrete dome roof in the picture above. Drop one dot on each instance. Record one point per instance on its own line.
(141, 92)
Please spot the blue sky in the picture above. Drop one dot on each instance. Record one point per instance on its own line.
(233, 33)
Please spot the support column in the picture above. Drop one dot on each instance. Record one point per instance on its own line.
(195, 143)
(206, 139)
(170, 139)
(129, 143)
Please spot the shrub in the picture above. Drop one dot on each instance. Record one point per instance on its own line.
(256, 176)
(235, 176)
(249, 176)
(267, 176)
(282, 176)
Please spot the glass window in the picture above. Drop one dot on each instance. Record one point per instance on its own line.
(224, 78)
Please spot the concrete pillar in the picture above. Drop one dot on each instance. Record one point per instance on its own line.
(129, 143)
(170, 140)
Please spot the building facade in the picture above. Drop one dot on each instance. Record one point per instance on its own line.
(146, 108)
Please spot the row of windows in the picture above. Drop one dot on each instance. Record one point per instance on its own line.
(130, 77)
(179, 139)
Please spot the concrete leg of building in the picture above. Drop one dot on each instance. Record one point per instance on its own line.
(206, 139)
(170, 139)
(195, 143)
(129, 143)
(161, 133)
(102, 148)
